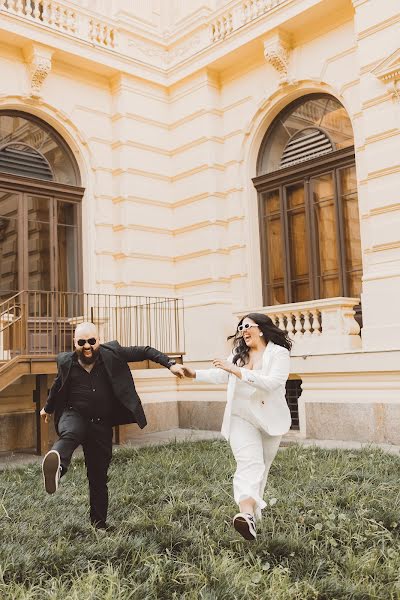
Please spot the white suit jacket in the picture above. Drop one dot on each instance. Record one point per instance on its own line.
(266, 390)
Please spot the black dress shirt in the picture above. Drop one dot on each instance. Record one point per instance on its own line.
(90, 394)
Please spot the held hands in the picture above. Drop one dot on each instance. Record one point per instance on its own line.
(45, 416)
(218, 363)
(178, 371)
(188, 372)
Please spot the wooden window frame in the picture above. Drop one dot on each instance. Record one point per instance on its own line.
(51, 189)
(280, 180)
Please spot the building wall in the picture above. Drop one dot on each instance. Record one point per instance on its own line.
(167, 157)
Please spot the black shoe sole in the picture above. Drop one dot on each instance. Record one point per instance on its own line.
(242, 527)
(50, 468)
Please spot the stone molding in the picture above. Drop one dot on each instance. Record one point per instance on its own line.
(388, 71)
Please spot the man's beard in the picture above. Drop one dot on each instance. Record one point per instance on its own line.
(88, 360)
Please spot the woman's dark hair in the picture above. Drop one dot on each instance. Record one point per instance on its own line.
(269, 330)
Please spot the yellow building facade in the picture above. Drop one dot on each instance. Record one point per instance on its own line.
(241, 156)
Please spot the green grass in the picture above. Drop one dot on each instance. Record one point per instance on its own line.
(331, 531)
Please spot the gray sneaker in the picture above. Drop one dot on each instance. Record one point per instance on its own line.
(51, 469)
(245, 524)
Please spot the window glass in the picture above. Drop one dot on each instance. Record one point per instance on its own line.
(312, 113)
(32, 149)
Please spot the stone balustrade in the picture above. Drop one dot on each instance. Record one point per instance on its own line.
(239, 15)
(83, 22)
(62, 17)
(318, 326)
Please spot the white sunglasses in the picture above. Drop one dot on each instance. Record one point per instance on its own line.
(246, 326)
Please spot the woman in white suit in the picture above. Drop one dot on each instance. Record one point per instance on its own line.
(256, 414)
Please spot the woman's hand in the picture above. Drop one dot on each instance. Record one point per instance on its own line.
(227, 366)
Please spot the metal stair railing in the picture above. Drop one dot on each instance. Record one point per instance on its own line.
(12, 339)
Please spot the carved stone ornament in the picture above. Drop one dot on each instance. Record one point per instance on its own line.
(388, 71)
(39, 68)
(276, 52)
(39, 64)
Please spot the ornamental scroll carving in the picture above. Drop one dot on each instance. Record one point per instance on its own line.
(39, 65)
(39, 69)
(277, 52)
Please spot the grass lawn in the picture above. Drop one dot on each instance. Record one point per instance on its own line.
(331, 531)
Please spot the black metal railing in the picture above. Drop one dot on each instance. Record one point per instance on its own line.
(42, 323)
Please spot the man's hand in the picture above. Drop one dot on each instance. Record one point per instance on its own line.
(178, 371)
(191, 373)
(46, 416)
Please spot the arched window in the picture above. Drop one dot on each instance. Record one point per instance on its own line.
(40, 198)
(308, 206)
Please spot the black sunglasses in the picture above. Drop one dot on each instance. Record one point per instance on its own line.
(91, 341)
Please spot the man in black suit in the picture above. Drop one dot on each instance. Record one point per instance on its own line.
(93, 391)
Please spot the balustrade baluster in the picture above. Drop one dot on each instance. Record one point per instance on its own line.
(52, 13)
(28, 8)
(36, 9)
(91, 30)
(45, 11)
(20, 7)
(289, 326)
(281, 322)
(307, 323)
(107, 38)
(297, 325)
(315, 322)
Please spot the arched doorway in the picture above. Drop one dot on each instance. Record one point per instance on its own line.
(308, 207)
(40, 196)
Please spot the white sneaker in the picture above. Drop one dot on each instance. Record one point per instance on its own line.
(245, 524)
(51, 469)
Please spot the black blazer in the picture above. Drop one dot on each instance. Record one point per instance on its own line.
(127, 407)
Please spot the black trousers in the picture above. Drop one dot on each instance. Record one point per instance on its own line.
(96, 440)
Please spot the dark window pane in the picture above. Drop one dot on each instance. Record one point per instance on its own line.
(8, 204)
(327, 243)
(298, 243)
(67, 268)
(274, 237)
(38, 208)
(39, 256)
(271, 202)
(66, 213)
(8, 241)
(8, 254)
(353, 259)
(301, 291)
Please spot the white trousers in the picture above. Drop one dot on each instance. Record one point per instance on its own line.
(254, 450)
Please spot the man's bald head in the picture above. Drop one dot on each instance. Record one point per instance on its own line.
(86, 342)
(86, 330)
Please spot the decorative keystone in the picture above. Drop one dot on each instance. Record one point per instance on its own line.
(38, 59)
(277, 51)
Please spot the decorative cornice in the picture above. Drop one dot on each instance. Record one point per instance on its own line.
(388, 71)
(277, 51)
(38, 58)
